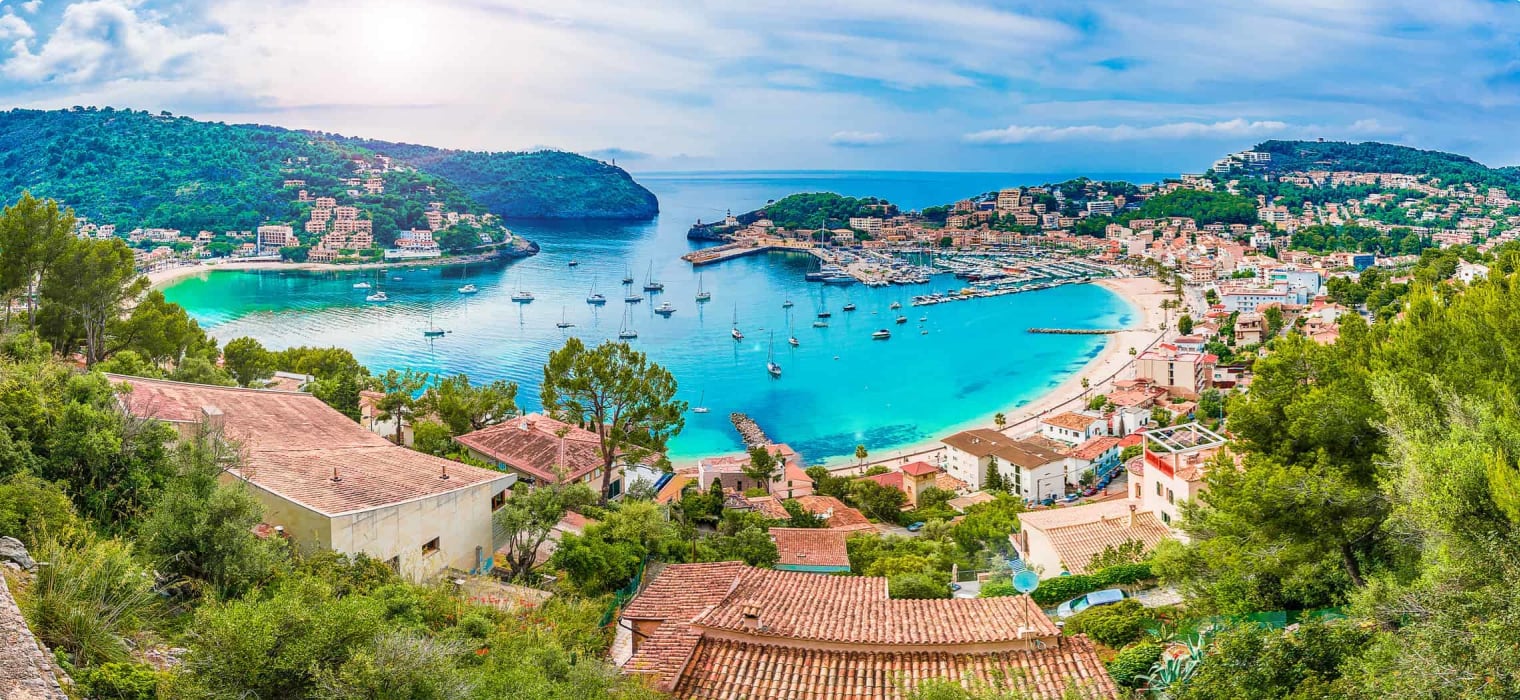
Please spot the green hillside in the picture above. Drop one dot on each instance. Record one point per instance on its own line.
(136, 169)
(1371, 156)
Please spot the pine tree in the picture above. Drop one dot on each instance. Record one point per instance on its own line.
(994, 481)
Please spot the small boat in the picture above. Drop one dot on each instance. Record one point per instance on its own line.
(433, 332)
(650, 285)
(628, 277)
(923, 319)
(702, 294)
(824, 314)
(361, 285)
(770, 361)
(700, 408)
(849, 307)
(522, 296)
(633, 299)
(574, 263)
(793, 341)
(595, 299)
(468, 289)
(396, 278)
(665, 309)
(820, 324)
(902, 319)
(624, 332)
(787, 304)
(882, 334)
(562, 322)
(895, 305)
(377, 296)
(734, 332)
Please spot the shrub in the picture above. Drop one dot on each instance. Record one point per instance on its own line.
(1112, 625)
(998, 589)
(1124, 574)
(89, 599)
(1130, 667)
(1054, 591)
(918, 586)
(119, 681)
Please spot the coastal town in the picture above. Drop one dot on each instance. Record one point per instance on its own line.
(1039, 545)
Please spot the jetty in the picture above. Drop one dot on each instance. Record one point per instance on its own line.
(749, 430)
(1075, 331)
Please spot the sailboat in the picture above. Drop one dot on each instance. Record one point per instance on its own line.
(626, 333)
(770, 361)
(787, 304)
(700, 407)
(628, 276)
(791, 334)
(702, 294)
(432, 330)
(562, 322)
(848, 305)
(521, 296)
(593, 297)
(735, 331)
(650, 285)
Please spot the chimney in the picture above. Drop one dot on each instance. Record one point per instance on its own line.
(1130, 521)
(750, 613)
(445, 470)
(213, 418)
(335, 477)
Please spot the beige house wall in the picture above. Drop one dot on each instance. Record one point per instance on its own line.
(461, 520)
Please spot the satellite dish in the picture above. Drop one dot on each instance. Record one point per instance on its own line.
(1026, 581)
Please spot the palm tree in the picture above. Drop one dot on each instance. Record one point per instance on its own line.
(861, 454)
(999, 420)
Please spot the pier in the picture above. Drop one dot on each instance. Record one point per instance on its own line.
(1075, 331)
(727, 251)
(749, 430)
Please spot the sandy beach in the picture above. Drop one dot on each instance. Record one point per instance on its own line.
(1143, 293)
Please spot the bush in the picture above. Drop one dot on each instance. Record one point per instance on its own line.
(1130, 667)
(119, 681)
(1124, 574)
(998, 589)
(1111, 625)
(918, 586)
(32, 508)
(89, 599)
(1054, 591)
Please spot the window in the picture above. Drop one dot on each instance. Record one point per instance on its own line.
(430, 546)
(1158, 488)
(1166, 518)
(1169, 496)
(499, 500)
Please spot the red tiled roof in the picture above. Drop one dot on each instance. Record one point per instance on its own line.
(758, 671)
(811, 546)
(292, 444)
(1070, 420)
(539, 446)
(1094, 448)
(919, 469)
(1077, 533)
(731, 631)
(889, 479)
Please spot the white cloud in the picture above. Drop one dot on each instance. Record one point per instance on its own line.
(104, 40)
(31, 6)
(1234, 128)
(13, 27)
(859, 138)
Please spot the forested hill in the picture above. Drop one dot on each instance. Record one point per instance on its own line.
(545, 184)
(1371, 156)
(136, 169)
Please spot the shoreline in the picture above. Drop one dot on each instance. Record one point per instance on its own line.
(1143, 294)
(159, 279)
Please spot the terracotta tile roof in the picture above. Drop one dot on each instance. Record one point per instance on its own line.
(836, 514)
(682, 591)
(1027, 453)
(950, 483)
(1095, 448)
(1079, 532)
(539, 446)
(919, 469)
(1070, 420)
(292, 444)
(961, 503)
(769, 507)
(811, 546)
(757, 671)
(889, 479)
(732, 631)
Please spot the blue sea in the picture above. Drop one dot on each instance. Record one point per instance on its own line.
(950, 365)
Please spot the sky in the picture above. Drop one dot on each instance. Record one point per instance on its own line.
(1044, 86)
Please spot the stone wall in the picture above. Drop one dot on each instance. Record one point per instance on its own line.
(26, 670)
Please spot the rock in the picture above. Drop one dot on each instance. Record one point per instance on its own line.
(11, 550)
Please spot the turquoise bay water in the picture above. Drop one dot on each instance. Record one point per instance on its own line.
(839, 388)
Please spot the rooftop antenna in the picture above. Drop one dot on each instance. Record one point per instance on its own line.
(335, 477)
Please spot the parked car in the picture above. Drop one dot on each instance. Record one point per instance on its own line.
(1107, 596)
(915, 527)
